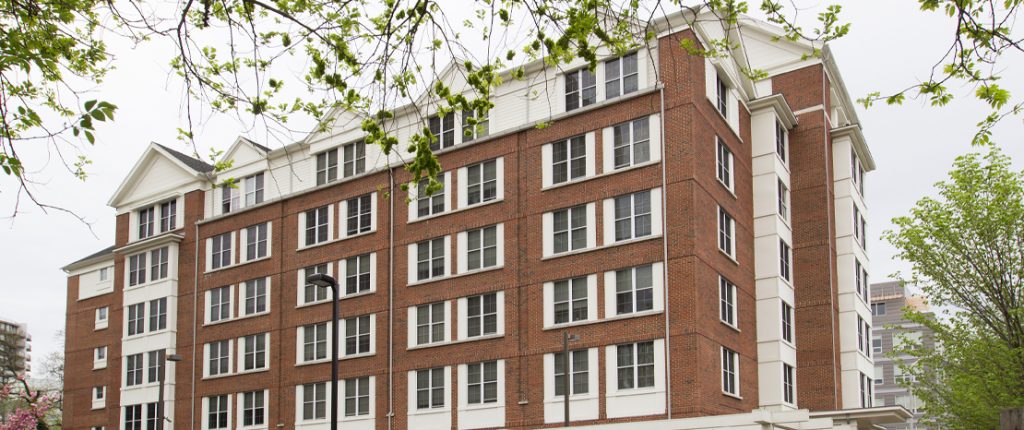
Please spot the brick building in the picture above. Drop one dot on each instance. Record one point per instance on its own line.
(891, 328)
(699, 232)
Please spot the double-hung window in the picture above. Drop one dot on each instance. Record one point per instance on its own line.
(357, 396)
(158, 263)
(432, 204)
(219, 361)
(136, 319)
(568, 159)
(635, 365)
(254, 409)
(482, 248)
(482, 382)
(228, 197)
(482, 182)
(727, 301)
(253, 189)
(137, 269)
(314, 342)
(168, 214)
(780, 141)
(482, 315)
(785, 260)
(726, 233)
(133, 370)
(156, 362)
(317, 221)
(634, 289)
(474, 126)
(570, 300)
(158, 314)
(217, 412)
(133, 417)
(430, 256)
(787, 322)
(633, 216)
(570, 229)
(313, 293)
(788, 384)
(721, 96)
(220, 303)
(355, 158)
(357, 335)
(580, 89)
(255, 296)
(314, 401)
(876, 346)
(146, 222)
(730, 372)
(724, 161)
(865, 391)
(256, 241)
(430, 388)
(632, 143)
(443, 131)
(430, 326)
(621, 76)
(254, 352)
(357, 274)
(861, 335)
(783, 200)
(327, 167)
(878, 309)
(579, 371)
(220, 251)
(360, 214)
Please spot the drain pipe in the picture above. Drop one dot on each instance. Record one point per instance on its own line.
(391, 296)
(195, 327)
(664, 250)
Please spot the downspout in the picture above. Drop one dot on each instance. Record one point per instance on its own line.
(664, 250)
(831, 263)
(195, 326)
(391, 296)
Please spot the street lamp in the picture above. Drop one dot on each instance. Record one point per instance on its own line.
(323, 281)
(566, 338)
(168, 358)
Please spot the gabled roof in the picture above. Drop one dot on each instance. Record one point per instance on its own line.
(187, 165)
(98, 255)
(193, 163)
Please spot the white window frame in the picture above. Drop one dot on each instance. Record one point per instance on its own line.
(634, 366)
(304, 222)
(137, 325)
(242, 409)
(243, 301)
(300, 343)
(444, 195)
(498, 315)
(726, 233)
(415, 324)
(358, 275)
(724, 164)
(220, 303)
(247, 241)
(463, 244)
(787, 323)
(481, 383)
(353, 158)
(212, 262)
(498, 181)
(581, 87)
(782, 142)
(243, 353)
(413, 251)
(371, 334)
(589, 230)
(471, 132)
(730, 365)
(612, 217)
(327, 168)
(136, 267)
(224, 357)
(783, 200)
(300, 401)
(788, 384)
(549, 301)
(254, 189)
(305, 272)
(221, 408)
(612, 292)
(345, 414)
(159, 263)
(619, 81)
(102, 318)
(369, 212)
(785, 261)
(444, 131)
(571, 156)
(729, 305)
(415, 388)
(158, 315)
(99, 357)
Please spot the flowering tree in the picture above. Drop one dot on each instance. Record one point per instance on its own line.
(22, 408)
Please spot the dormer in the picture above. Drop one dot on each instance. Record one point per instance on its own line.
(250, 175)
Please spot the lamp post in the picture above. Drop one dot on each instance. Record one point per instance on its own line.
(161, 375)
(324, 281)
(566, 380)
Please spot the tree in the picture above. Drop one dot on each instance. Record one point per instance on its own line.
(22, 408)
(966, 250)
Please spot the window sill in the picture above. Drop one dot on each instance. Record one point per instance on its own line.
(572, 398)
(731, 258)
(432, 411)
(239, 373)
(144, 335)
(735, 396)
(356, 356)
(454, 211)
(218, 376)
(732, 326)
(455, 276)
(629, 392)
(600, 247)
(313, 362)
(147, 283)
(731, 191)
(354, 419)
(101, 327)
(482, 406)
(614, 171)
(456, 342)
(99, 366)
(601, 320)
(254, 260)
(336, 240)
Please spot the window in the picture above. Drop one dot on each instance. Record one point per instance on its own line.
(635, 365)
(158, 264)
(313, 293)
(168, 213)
(443, 131)
(474, 126)
(136, 319)
(724, 160)
(865, 290)
(254, 410)
(721, 96)
(218, 409)
(254, 352)
(858, 280)
(783, 200)
(632, 143)
(876, 346)
(620, 76)
(133, 417)
(726, 238)
(430, 327)
(357, 274)
(104, 274)
(255, 296)
(863, 233)
(256, 241)
(785, 258)
(327, 167)
(357, 396)
(780, 141)
(579, 368)
(317, 221)
(730, 372)
(727, 301)
(482, 315)
(430, 259)
(99, 393)
(482, 248)
(482, 382)
(865, 391)
(568, 159)
(355, 158)
(151, 416)
(229, 197)
(633, 216)
(430, 388)
(360, 214)
(158, 314)
(314, 342)
(314, 401)
(861, 335)
(433, 204)
(877, 309)
(570, 229)
(570, 300)
(357, 335)
(101, 353)
(221, 251)
(482, 184)
(146, 222)
(580, 89)
(220, 304)
(155, 368)
(787, 322)
(856, 223)
(133, 370)
(101, 314)
(254, 189)
(788, 384)
(219, 360)
(634, 289)
(137, 269)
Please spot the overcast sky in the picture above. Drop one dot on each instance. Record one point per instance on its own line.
(891, 45)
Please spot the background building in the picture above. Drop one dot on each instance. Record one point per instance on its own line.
(888, 300)
(15, 349)
(701, 233)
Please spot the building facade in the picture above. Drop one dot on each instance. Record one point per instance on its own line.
(891, 327)
(699, 232)
(15, 349)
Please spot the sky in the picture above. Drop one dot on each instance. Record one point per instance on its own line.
(891, 45)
